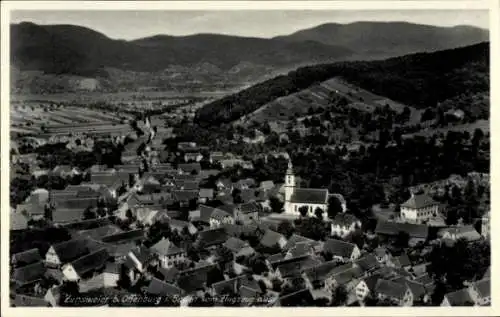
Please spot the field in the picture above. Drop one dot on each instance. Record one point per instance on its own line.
(321, 96)
(40, 119)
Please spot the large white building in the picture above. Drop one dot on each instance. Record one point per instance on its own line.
(295, 197)
(419, 208)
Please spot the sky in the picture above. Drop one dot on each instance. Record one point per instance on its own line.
(129, 25)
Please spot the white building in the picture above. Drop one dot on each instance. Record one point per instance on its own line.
(419, 208)
(295, 198)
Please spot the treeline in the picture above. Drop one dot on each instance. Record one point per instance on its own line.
(420, 80)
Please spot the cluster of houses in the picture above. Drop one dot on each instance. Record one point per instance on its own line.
(270, 270)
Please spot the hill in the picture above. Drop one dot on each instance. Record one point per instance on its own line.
(204, 61)
(418, 80)
(378, 39)
(76, 50)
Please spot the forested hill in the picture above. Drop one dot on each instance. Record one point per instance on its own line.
(420, 80)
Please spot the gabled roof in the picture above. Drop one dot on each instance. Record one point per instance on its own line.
(250, 207)
(169, 275)
(206, 193)
(99, 232)
(235, 245)
(28, 274)
(141, 253)
(321, 271)
(194, 279)
(70, 250)
(17, 221)
(468, 232)
(289, 269)
(393, 228)
(419, 201)
(189, 167)
(348, 275)
(294, 239)
(339, 248)
(87, 224)
(90, 262)
(127, 236)
(390, 289)
(483, 287)
(371, 281)
(184, 195)
(459, 298)
(309, 196)
(165, 247)
(401, 261)
(157, 287)
(67, 215)
(368, 262)
(212, 237)
(26, 257)
(271, 238)
(299, 298)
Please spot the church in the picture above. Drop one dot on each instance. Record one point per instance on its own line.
(295, 197)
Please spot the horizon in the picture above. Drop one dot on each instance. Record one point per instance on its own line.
(231, 23)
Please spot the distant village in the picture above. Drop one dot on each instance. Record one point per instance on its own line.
(148, 232)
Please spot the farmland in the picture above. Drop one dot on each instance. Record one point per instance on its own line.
(483, 125)
(45, 120)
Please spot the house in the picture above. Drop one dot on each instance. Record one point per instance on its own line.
(368, 263)
(295, 198)
(76, 270)
(67, 215)
(124, 237)
(299, 298)
(168, 253)
(348, 278)
(169, 275)
(160, 288)
(185, 196)
(238, 247)
(206, 194)
(195, 279)
(235, 285)
(271, 239)
(220, 217)
(458, 298)
(344, 224)
(189, 168)
(182, 184)
(420, 294)
(341, 250)
(193, 157)
(320, 276)
(138, 259)
(266, 185)
(107, 279)
(25, 258)
(419, 208)
(366, 287)
(28, 274)
(248, 212)
(402, 261)
(395, 292)
(480, 292)
(216, 157)
(64, 252)
(381, 254)
(459, 232)
(53, 296)
(418, 233)
(211, 238)
(18, 221)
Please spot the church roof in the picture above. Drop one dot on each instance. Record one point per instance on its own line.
(309, 196)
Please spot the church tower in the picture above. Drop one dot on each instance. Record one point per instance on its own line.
(289, 183)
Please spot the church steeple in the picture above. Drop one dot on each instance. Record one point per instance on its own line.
(289, 182)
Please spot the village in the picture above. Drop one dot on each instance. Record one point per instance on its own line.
(160, 227)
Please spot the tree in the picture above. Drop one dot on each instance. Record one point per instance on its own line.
(88, 213)
(276, 205)
(67, 291)
(304, 210)
(124, 281)
(334, 207)
(318, 212)
(402, 239)
(286, 228)
(339, 296)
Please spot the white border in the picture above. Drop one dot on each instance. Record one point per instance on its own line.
(492, 5)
